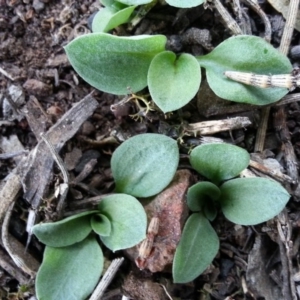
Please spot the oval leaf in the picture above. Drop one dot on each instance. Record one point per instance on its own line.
(200, 194)
(198, 246)
(128, 221)
(172, 81)
(250, 201)
(113, 4)
(184, 4)
(114, 64)
(65, 232)
(245, 53)
(219, 162)
(101, 224)
(107, 19)
(71, 272)
(144, 164)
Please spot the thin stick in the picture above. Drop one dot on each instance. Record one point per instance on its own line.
(231, 24)
(268, 30)
(106, 279)
(20, 261)
(6, 74)
(289, 27)
(65, 185)
(262, 129)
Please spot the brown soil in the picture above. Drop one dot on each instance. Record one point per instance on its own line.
(253, 262)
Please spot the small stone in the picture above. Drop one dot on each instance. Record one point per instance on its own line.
(72, 158)
(295, 52)
(37, 88)
(38, 6)
(87, 128)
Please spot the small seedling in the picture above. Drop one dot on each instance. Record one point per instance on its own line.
(73, 261)
(112, 64)
(245, 201)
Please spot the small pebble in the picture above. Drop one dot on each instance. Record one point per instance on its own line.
(295, 52)
(37, 88)
(38, 6)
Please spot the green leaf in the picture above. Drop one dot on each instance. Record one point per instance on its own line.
(198, 246)
(101, 224)
(112, 4)
(200, 194)
(128, 221)
(135, 2)
(172, 81)
(70, 272)
(210, 210)
(144, 164)
(219, 162)
(65, 232)
(250, 201)
(107, 19)
(114, 64)
(245, 53)
(185, 3)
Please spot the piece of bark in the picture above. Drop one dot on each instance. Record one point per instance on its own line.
(170, 208)
(37, 170)
(211, 127)
(36, 117)
(257, 276)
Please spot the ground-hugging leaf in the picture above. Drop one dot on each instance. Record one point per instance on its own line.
(173, 81)
(113, 64)
(219, 162)
(70, 272)
(128, 221)
(101, 224)
(113, 4)
(200, 194)
(65, 232)
(245, 53)
(185, 4)
(107, 19)
(250, 201)
(197, 248)
(144, 164)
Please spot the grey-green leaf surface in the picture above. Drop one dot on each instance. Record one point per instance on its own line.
(198, 246)
(113, 64)
(173, 81)
(184, 4)
(144, 164)
(200, 194)
(107, 19)
(245, 53)
(70, 272)
(65, 232)
(113, 4)
(128, 221)
(250, 201)
(219, 162)
(101, 224)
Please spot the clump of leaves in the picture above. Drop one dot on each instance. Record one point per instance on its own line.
(245, 201)
(113, 64)
(73, 261)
